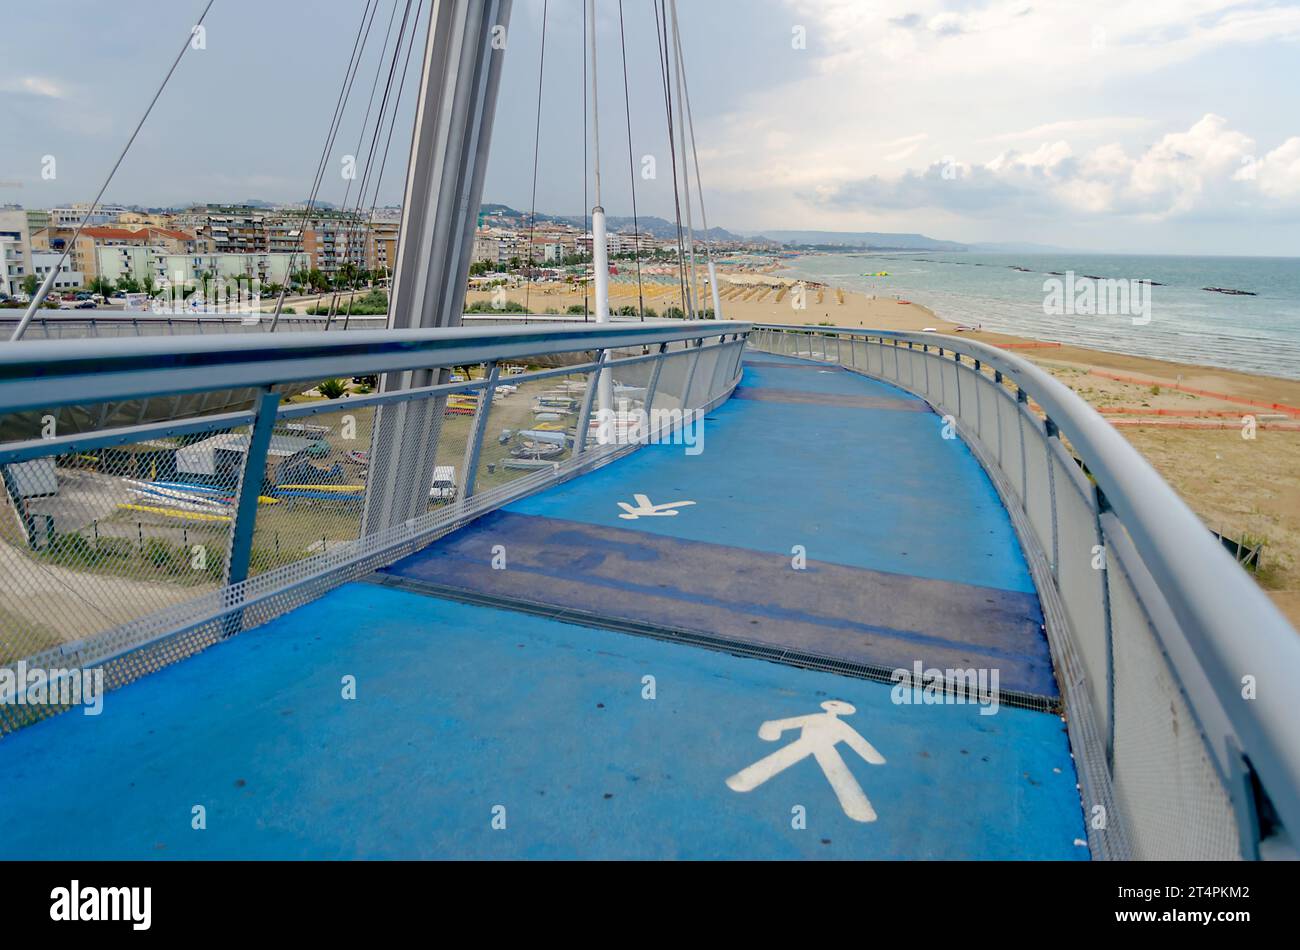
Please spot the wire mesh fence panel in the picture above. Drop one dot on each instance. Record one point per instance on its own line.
(1011, 454)
(968, 398)
(672, 381)
(701, 377)
(1038, 488)
(92, 539)
(724, 370)
(990, 400)
(1081, 574)
(1174, 803)
(529, 428)
(313, 486)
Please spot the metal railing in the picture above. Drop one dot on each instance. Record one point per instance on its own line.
(126, 546)
(1177, 671)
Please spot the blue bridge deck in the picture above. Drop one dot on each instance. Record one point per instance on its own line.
(830, 517)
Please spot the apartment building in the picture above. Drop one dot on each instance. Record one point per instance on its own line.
(165, 264)
(15, 251)
(627, 242)
(67, 278)
(381, 247)
(87, 256)
(71, 218)
(331, 242)
(236, 230)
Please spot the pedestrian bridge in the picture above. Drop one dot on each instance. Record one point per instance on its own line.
(852, 613)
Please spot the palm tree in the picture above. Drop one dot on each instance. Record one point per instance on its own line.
(332, 388)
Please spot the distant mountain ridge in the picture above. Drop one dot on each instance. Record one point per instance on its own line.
(664, 229)
(862, 240)
(648, 224)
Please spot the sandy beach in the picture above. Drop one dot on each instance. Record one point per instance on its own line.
(1187, 420)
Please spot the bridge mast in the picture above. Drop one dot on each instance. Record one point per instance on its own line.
(444, 185)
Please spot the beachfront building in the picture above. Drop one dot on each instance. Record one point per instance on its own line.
(15, 251)
(628, 242)
(43, 262)
(499, 245)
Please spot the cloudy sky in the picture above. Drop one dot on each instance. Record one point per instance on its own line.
(1162, 126)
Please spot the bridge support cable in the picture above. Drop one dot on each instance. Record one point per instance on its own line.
(631, 166)
(44, 289)
(354, 226)
(388, 141)
(537, 141)
(661, 38)
(340, 106)
(361, 137)
(677, 70)
(444, 186)
(695, 156)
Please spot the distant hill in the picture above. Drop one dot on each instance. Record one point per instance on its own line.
(861, 240)
(649, 224)
(664, 229)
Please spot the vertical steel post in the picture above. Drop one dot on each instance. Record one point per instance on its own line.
(584, 416)
(690, 376)
(653, 385)
(250, 489)
(475, 445)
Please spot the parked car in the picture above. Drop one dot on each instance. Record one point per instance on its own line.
(444, 483)
(87, 305)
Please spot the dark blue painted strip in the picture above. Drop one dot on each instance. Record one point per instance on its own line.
(859, 615)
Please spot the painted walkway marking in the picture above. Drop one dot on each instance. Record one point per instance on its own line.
(819, 734)
(644, 509)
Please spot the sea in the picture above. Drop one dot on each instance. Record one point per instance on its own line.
(1020, 294)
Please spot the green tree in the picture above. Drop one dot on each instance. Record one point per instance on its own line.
(30, 284)
(128, 284)
(149, 284)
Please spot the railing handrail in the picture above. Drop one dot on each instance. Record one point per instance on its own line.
(44, 374)
(1233, 627)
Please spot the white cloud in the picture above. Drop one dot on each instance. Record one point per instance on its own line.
(33, 85)
(1277, 174)
(1018, 103)
(1208, 169)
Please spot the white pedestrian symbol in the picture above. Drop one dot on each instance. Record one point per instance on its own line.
(819, 734)
(644, 509)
